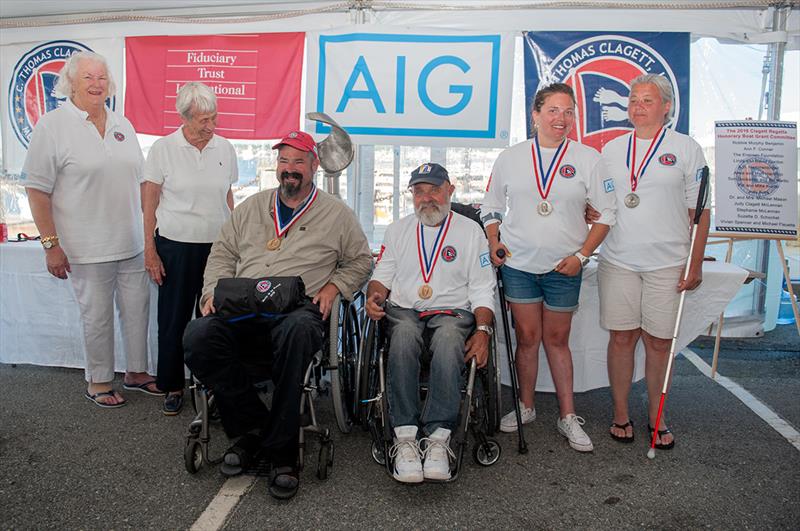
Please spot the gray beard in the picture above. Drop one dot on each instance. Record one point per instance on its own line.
(433, 217)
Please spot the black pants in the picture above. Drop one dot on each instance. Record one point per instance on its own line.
(231, 357)
(178, 297)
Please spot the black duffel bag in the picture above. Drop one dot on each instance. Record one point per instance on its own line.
(240, 298)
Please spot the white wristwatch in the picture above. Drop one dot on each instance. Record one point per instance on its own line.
(584, 259)
(485, 328)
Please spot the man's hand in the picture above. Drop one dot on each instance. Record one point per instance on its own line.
(153, 265)
(374, 306)
(208, 307)
(590, 215)
(693, 280)
(324, 299)
(57, 262)
(477, 346)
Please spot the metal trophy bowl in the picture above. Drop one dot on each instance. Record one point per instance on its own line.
(335, 152)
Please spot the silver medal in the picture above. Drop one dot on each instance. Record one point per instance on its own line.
(545, 208)
(631, 200)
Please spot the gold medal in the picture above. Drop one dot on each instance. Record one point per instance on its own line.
(425, 291)
(274, 244)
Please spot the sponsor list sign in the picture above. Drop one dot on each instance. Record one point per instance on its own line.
(756, 178)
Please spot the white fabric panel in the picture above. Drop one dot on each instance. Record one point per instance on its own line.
(588, 342)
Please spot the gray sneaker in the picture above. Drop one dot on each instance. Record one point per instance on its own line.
(508, 423)
(570, 427)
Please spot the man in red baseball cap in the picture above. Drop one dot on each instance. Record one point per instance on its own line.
(292, 230)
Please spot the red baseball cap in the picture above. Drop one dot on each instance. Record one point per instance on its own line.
(299, 140)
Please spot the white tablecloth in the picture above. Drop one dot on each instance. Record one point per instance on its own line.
(40, 324)
(588, 342)
(39, 318)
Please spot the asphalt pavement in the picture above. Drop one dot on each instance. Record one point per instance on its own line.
(66, 464)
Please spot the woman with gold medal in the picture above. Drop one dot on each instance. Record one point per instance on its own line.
(533, 211)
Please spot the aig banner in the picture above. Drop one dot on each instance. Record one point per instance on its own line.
(599, 67)
(423, 88)
(29, 75)
(256, 79)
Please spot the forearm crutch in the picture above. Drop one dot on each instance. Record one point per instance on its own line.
(702, 197)
(512, 366)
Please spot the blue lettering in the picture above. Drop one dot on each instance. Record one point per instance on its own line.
(360, 69)
(464, 90)
(400, 85)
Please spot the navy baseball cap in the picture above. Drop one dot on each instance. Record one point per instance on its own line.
(430, 173)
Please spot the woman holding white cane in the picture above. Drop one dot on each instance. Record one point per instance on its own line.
(657, 174)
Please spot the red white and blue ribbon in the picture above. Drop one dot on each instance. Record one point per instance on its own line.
(280, 227)
(544, 181)
(428, 262)
(630, 160)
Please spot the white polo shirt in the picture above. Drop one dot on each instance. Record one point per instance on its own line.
(538, 243)
(655, 234)
(462, 277)
(93, 182)
(194, 186)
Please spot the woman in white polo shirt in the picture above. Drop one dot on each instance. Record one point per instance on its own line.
(657, 177)
(534, 211)
(186, 199)
(82, 174)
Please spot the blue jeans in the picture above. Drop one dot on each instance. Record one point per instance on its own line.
(446, 335)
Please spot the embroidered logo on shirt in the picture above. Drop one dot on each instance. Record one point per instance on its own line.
(119, 136)
(668, 159)
(567, 171)
(608, 184)
(449, 253)
(485, 261)
(263, 286)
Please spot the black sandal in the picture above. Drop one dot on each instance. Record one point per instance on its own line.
(239, 456)
(624, 438)
(283, 483)
(660, 446)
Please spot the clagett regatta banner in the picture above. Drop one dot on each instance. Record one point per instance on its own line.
(413, 88)
(599, 67)
(256, 78)
(29, 76)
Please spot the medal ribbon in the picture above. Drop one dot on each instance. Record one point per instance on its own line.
(426, 264)
(280, 227)
(630, 161)
(544, 181)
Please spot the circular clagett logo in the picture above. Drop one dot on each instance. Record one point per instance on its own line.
(449, 253)
(263, 286)
(599, 69)
(567, 171)
(31, 92)
(757, 177)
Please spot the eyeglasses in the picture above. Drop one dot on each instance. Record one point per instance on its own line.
(422, 192)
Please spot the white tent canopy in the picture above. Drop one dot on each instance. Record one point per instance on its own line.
(738, 21)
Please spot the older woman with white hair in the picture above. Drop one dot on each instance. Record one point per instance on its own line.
(82, 173)
(656, 174)
(186, 199)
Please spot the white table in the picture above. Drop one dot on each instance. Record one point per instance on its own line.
(39, 317)
(588, 341)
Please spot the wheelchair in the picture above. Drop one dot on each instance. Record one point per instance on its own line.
(339, 357)
(479, 413)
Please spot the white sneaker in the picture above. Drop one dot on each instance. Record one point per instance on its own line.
(437, 455)
(406, 455)
(508, 423)
(570, 427)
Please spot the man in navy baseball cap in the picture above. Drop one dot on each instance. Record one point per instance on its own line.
(430, 173)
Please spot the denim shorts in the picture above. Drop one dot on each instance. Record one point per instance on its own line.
(558, 291)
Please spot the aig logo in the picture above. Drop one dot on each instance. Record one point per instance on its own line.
(410, 85)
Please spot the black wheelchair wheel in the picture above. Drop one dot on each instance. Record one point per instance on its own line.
(192, 456)
(365, 380)
(486, 454)
(343, 338)
(325, 459)
(378, 454)
(493, 390)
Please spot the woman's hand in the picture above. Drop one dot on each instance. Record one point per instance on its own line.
(569, 266)
(153, 265)
(494, 247)
(57, 262)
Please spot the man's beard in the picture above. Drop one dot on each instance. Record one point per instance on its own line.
(288, 189)
(434, 215)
